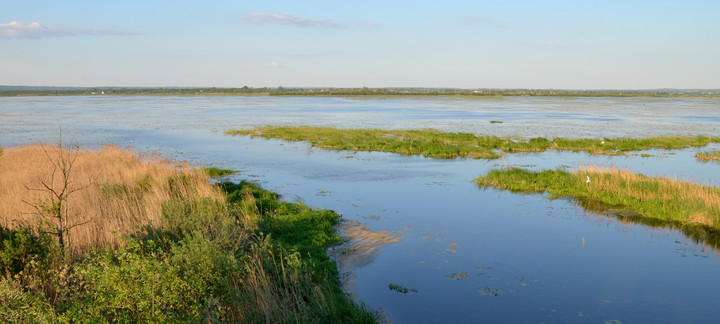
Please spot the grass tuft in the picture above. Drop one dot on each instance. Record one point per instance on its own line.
(708, 156)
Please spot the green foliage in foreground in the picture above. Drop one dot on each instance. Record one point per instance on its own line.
(447, 145)
(708, 156)
(621, 191)
(253, 259)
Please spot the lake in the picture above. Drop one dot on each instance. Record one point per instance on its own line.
(466, 254)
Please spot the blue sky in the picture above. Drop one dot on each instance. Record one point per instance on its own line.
(461, 44)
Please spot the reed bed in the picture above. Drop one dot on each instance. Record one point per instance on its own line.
(117, 191)
(673, 200)
(159, 243)
(448, 145)
(708, 156)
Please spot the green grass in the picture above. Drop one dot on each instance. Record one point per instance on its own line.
(652, 197)
(217, 172)
(496, 122)
(708, 156)
(448, 145)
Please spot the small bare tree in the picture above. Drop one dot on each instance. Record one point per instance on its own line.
(58, 185)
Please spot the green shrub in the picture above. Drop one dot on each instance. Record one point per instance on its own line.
(20, 246)
(126, 285)
(19, 306)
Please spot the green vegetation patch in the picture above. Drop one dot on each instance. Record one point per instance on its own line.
(622, 191)
(448, 145)
(705, 156)
(401, 289)
(216, 172)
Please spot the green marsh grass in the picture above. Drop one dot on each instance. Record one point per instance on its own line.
(447, 145)
(708, 156)
(216, 172)
(659, 198)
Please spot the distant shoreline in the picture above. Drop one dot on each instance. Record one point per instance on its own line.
(19, 91)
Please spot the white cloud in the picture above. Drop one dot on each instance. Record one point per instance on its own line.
(18, 29)
(289, 20)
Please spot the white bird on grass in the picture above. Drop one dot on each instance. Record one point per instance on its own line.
(588, 179)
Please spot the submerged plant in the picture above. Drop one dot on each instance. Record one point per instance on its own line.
(401, 289)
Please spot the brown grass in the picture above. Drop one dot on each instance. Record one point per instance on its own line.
(700, 203)
(117, 190)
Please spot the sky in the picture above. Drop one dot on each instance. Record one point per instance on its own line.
(610, 44)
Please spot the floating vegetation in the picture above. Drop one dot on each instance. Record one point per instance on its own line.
(496, 122)
(457, 276)
(401, 289)
(623, 192)
(446, 145)
(487, 291)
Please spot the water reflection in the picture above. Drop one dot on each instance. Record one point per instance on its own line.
(700, 234)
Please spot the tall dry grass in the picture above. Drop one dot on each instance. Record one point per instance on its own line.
(678, 199)
(117, 190)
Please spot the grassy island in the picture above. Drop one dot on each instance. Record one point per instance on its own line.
(111, 236)
(447, 145)
(676, 201)
(708, 156)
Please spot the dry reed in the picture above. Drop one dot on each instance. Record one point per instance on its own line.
(701, 204)
(117, 190)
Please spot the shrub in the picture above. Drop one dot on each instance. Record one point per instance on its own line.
(20, 246)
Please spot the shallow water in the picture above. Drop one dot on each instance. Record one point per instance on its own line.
(472, 254)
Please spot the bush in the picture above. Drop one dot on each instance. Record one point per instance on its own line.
(20, 246)
(18, 306)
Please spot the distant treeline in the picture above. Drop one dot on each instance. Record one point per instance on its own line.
(281, 91)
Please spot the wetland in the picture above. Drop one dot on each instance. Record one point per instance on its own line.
(449, 250)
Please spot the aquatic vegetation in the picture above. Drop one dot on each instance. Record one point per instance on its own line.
(625, 192)
(216, 172)
(457, 276)
(448, 145)
(184, 250)
(708, 156)
(401, 289)
(496, 122)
